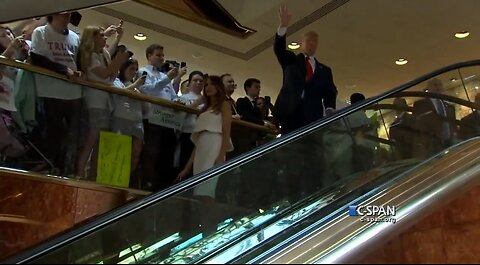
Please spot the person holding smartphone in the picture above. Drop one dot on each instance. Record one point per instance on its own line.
(160, 138)
(95, 61)
(127, 112)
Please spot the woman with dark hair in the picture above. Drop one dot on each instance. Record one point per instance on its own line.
(211, 135)
(127, 112)
(11, 46)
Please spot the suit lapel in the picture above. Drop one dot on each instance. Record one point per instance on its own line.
(301, 64)
(318, 68)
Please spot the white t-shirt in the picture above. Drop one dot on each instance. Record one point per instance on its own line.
(61, 49)
(96, 98)
(125, 107)
(7, 99)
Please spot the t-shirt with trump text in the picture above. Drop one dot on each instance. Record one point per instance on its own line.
(59, 48)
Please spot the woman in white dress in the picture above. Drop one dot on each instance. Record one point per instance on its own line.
(211, 135)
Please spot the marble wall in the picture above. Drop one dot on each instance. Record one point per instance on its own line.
(450, 235)
(32, 210)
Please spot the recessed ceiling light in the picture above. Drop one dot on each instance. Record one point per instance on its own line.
(140, 36)
(401, 61)
(462, 34)
(293, 45)
(453, 79)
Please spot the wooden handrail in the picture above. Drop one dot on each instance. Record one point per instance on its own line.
(123, 92)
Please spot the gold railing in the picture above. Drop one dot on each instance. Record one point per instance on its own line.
(123, 92)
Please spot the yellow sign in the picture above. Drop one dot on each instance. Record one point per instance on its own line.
(114, 159)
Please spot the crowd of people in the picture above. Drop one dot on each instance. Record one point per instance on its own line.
(163, 153)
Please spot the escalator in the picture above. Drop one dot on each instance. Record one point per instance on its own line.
(269, 201)
(43, 194)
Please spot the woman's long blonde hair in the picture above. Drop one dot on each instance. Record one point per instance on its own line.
(87, 47)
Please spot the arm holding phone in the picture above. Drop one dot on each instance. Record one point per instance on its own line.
(118, 30)
(178, 79)
(137, 83)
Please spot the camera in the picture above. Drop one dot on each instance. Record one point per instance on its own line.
(170, 64)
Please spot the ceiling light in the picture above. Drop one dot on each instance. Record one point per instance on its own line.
(476, 87)
(462, 34)
(401, 61)
(140, 36)
(293, 46)
(453, 79)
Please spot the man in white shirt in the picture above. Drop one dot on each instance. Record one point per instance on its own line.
(55, 47)
(160, 139)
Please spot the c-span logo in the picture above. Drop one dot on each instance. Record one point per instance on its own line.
(373, 213)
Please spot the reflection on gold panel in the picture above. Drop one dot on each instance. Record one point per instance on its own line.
(35, 208)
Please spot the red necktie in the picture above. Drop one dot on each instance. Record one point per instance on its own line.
(308, 67)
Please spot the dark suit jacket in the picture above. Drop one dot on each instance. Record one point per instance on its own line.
(231, 101)
(248, 111)
(321, 94)
(469, 126)
(429, 122)
(402, 132)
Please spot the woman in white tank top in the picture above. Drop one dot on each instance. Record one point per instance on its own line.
(211, 135)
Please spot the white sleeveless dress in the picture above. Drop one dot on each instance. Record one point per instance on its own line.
(207, 137)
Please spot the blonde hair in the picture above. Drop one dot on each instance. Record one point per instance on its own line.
(310, 34)
(87, 47)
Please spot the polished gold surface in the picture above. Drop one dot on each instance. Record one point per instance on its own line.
(34, 208)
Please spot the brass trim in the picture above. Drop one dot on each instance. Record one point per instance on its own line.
(83, 184)
(123, 92)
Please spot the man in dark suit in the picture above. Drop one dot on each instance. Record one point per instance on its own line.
(435, 121)
(246, 106)
(402, 130)
(470, 124)
(308, 86)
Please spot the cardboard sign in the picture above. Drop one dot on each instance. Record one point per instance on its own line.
(166, 117)
(114, 159)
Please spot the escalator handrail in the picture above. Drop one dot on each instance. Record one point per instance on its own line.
(343, 239)
(123, 92)
(143, 203)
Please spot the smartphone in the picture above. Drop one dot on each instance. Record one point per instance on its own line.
(75, 18)
(268, 99)
(183, 64)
